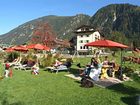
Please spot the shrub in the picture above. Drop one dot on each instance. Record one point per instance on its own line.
(13, 55)
(3, 55)
(69, 60)
(46, 61)
(57, 55)
(31, 57)
(49, 60)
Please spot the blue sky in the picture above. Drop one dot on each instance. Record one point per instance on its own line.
(16, 12)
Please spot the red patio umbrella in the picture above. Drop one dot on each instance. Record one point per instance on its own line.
(35, 46)
(10, 49)
(47, 48)
(106, 43)
(109, 44)
(38, 47)
(20, 48)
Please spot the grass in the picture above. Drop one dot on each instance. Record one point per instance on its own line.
(56, 89)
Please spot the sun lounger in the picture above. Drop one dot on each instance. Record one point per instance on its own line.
(57, 69)
(22, 67)
(15, 62)
(60, 68)
(49, 68)
(63, 67)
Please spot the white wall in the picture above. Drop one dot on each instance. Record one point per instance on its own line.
(81, 41)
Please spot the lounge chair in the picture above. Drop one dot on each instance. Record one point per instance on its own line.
(64, 67)
(60, 68)
(15, 62)
(22, 67)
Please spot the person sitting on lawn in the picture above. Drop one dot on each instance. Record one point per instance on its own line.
(107, 68)
(93, 62)
(92, 71)
(86, 71)
(7, 69)
(93, 65)
(95, 72)
(106, 61)
(35, 69)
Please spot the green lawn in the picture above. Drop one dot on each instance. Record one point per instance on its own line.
(56, 89)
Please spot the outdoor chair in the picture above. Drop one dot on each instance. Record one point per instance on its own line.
(15, 62)
(63, 67)
(22, 67)
(60, 68)
(27, 66)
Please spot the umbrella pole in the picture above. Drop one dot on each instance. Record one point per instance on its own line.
(121, 65)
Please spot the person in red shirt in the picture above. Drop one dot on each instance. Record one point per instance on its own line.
(7, 67)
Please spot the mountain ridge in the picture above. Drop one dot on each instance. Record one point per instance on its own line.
(58, 23)
(122, 20)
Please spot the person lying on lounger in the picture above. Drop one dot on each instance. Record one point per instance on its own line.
(57, 63)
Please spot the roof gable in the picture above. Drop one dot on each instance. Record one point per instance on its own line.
(84, 28)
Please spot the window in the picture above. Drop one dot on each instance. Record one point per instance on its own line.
(87, 29)
(87, 41)
(96, 38)
(84, 47)
(80, 47)
(81, 35)
(87, 35)
(81, 41)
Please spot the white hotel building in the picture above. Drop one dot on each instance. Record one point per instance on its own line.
(86, 34)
